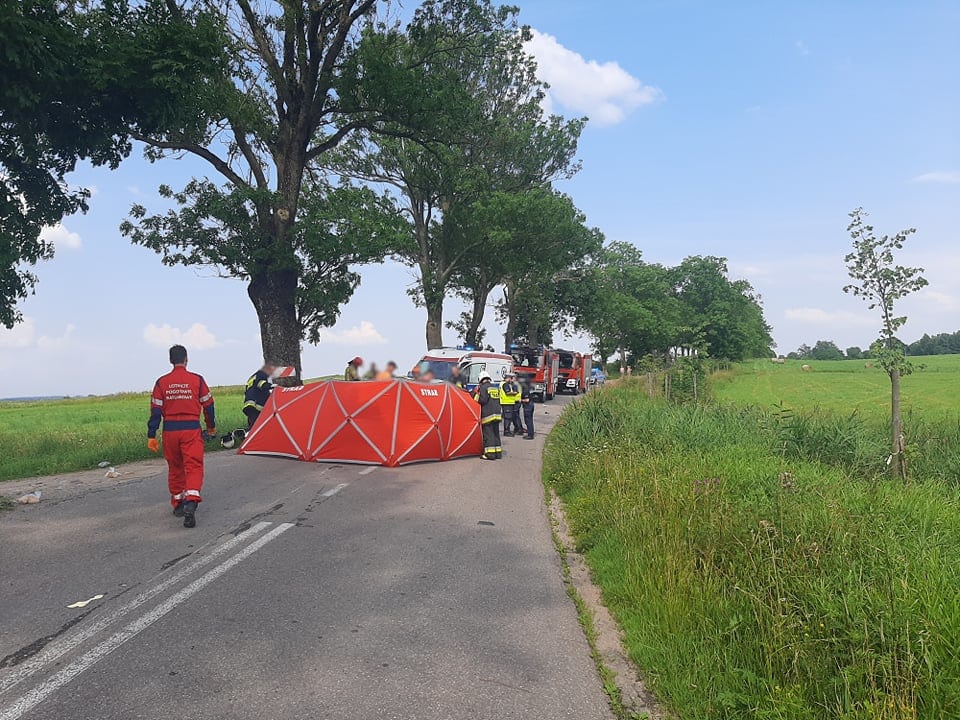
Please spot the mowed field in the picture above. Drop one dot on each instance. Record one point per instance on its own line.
(54, 436)
(933, 390)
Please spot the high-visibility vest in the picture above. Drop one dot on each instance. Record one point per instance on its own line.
(510, 393)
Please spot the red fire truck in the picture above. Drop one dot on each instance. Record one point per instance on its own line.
(574, 376)
(540, 366)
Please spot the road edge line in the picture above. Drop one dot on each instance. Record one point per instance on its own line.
(62, 647)
(45, 689)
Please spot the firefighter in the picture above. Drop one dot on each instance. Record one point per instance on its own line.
(488, 395)
(352, 372)
(510, 394)
(257, 393)
(178, 399)
(526, 404)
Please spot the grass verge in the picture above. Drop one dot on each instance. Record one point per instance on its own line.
(56, 436)
(750, 582)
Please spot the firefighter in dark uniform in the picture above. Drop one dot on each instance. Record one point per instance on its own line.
(257, 393)
(488, 395)
(526, 404)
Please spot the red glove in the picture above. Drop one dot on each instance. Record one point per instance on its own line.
(153, 445)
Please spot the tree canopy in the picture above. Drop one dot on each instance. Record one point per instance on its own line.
(76, 80)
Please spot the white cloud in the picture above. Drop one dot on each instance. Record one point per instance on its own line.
(61, 237)
(196, 337)
(363, 334)
(817, 316)
(51, 344)
(20, 336)
(802, 47)
(942, 301)
(950, 177)
(604, 91)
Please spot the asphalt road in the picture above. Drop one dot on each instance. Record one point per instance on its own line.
(306, 591)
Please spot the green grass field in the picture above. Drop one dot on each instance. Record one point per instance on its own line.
(759, 563)
(55, 436)
(933, 390)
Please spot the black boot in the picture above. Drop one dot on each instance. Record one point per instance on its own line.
(189, 514)
(178, 509)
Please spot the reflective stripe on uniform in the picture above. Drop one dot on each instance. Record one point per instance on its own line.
(490, 419)
(206, 397)
(156, 401)
(252, 404)
(192, 493)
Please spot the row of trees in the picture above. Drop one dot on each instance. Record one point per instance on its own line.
(940, 344)
(636, 309)
(337, 137)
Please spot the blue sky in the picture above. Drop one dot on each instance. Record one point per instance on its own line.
(746, 129)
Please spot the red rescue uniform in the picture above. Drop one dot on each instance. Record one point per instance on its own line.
(178, 399)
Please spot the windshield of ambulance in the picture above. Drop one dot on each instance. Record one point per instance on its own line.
(440, 367)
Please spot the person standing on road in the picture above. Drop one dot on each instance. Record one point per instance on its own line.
(456, 379)
(257, 392)
(526, 404)
(178, 399)
(509, 400)
(488, 395)
(389, 373)
(352, 373)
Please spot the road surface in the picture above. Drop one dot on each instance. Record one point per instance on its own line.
(306, 591)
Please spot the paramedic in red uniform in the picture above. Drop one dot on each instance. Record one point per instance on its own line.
(178, 399)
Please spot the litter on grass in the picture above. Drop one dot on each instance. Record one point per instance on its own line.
(30, 498)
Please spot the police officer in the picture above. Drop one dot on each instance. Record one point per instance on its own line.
(488, 395)
(257, 393)
(178, 398)
(510, 394)
(526, 404)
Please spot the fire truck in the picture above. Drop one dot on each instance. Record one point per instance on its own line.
(540, 366)
(574, 375)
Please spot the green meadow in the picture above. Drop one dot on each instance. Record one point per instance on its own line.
(932, 391)
(47, 437)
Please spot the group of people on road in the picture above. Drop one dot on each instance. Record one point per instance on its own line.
(352, 373)
(505, 403)
(180, 398)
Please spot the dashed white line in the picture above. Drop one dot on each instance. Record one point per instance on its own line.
(42, 691)
(368, 470)
(334, 490)
(56, 650)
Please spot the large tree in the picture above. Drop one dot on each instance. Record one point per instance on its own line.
(727, 314)
(75, 79)
(490, 140)
(879, 281)
(549, 242)
(305, 75)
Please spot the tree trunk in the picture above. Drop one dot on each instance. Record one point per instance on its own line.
(480, 297)
(509, 300)
(434, 306)
(533, 332)
(897, 466)
(273, 294)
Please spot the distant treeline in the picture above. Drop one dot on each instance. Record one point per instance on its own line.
(942, 344)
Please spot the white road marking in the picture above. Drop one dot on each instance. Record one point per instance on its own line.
(56, 650)
(368, 470)
(42, 691)
(334, 490)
